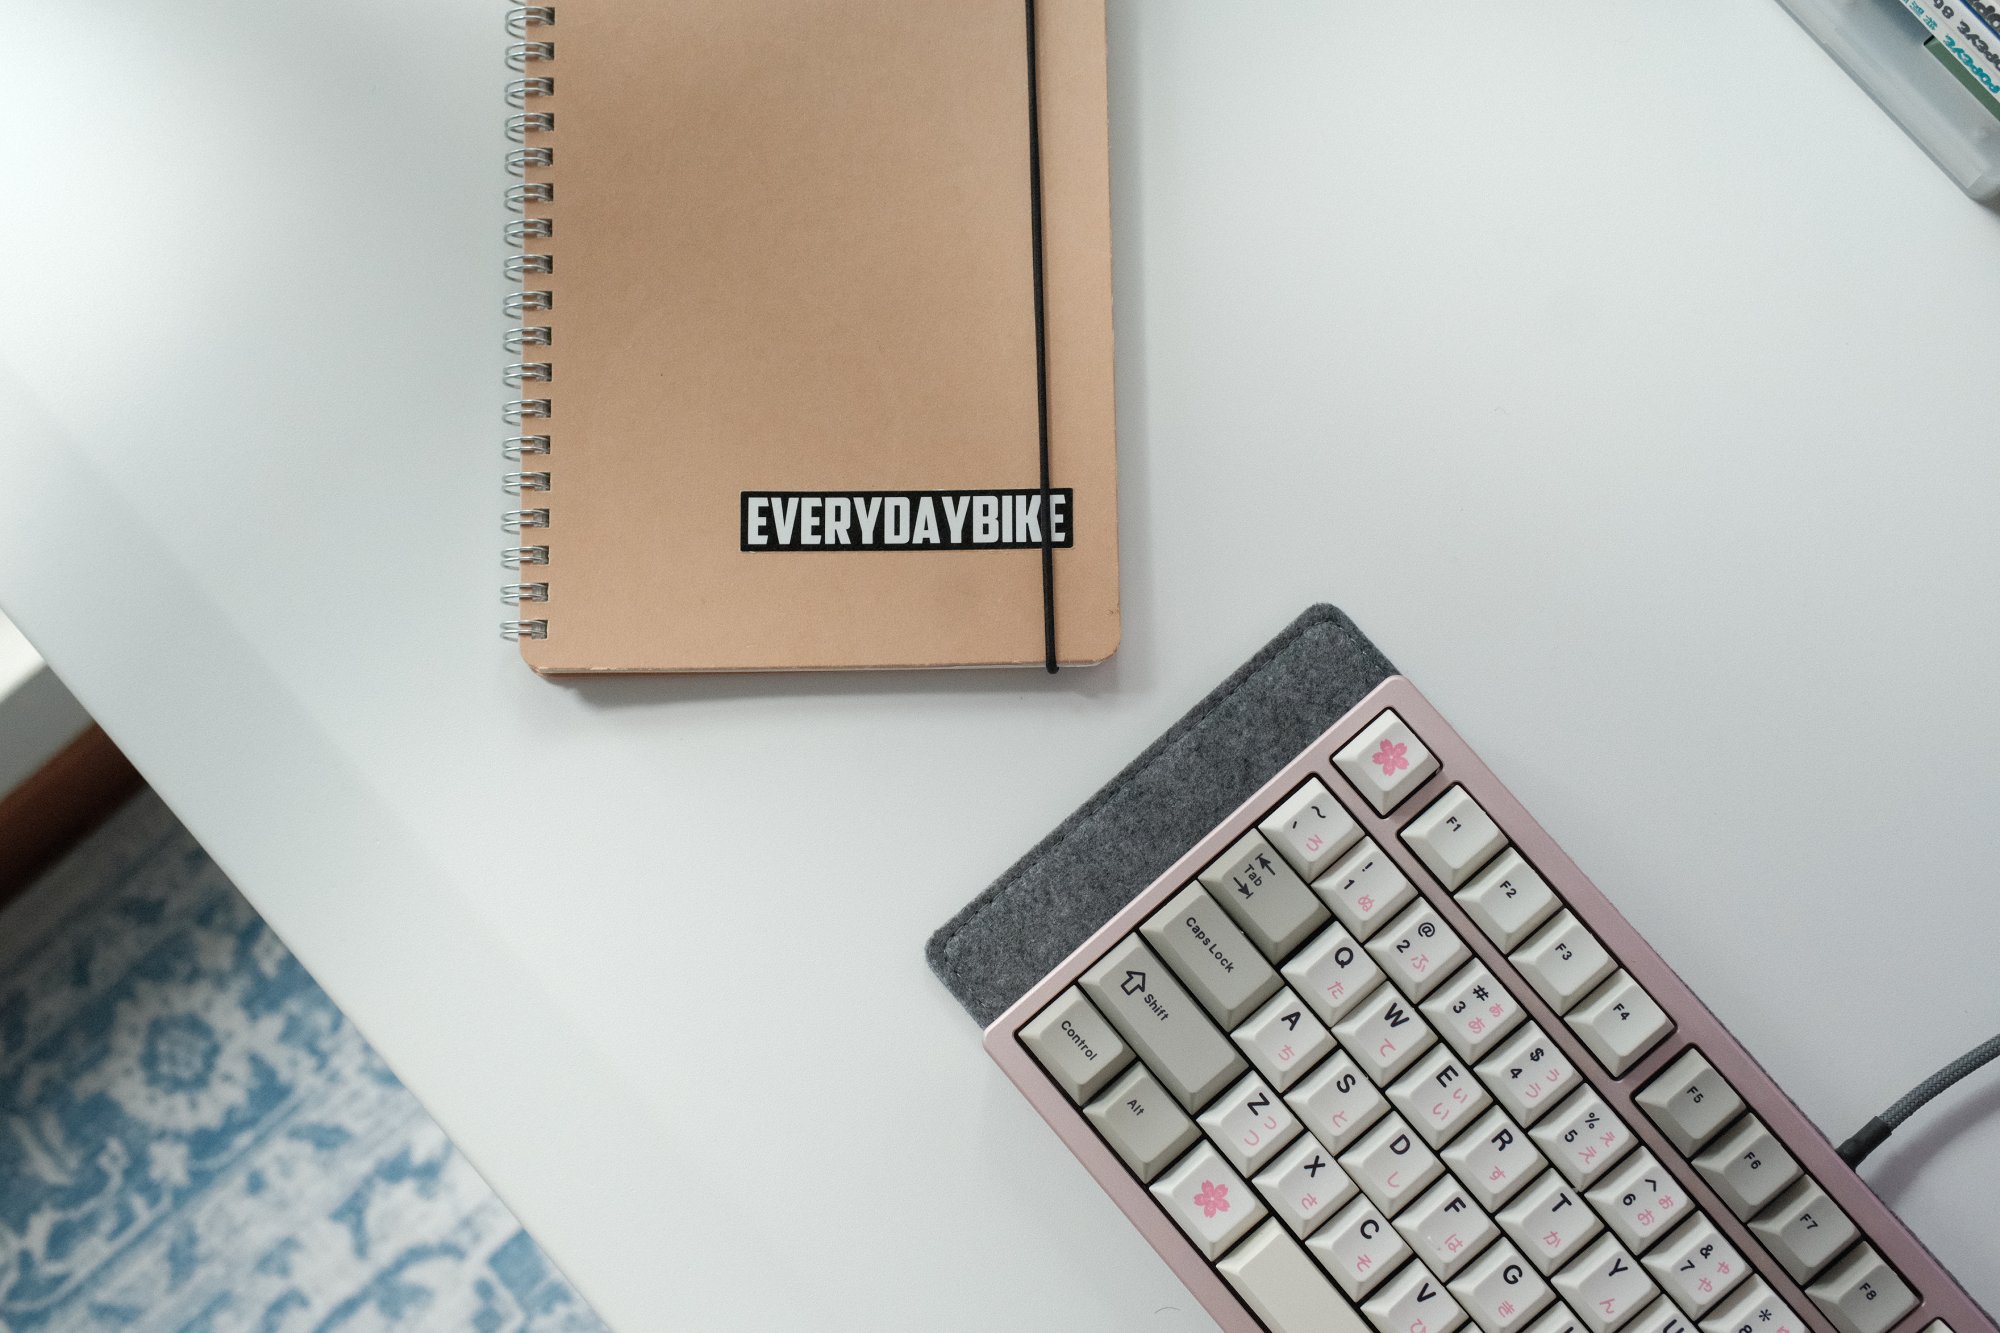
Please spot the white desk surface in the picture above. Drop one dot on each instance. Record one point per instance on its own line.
(1620, 368)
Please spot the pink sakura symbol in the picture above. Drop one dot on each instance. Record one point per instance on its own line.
(1393, 757)
(1213, 1198)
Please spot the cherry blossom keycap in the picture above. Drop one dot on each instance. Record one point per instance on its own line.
(1375, 1057)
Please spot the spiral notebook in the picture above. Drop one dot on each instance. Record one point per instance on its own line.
(816, 346)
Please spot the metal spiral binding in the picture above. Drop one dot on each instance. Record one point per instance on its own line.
(519, 305)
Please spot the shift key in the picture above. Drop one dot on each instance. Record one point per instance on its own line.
(1216, 960)
(1164, 1024)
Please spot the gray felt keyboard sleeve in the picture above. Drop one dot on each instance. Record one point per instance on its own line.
(1183, 785)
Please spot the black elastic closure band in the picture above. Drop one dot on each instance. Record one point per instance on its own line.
(1041, 350)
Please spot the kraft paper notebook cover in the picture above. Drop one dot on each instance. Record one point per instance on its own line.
(783, 367)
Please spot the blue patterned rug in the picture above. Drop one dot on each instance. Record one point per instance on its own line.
(193, 1138)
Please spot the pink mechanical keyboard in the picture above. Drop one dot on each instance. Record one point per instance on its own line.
(1375, 1057)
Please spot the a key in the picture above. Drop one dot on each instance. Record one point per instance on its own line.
(1285, 1288)
(1529, 1074)
(1210, 955)
(1075, 1045)
(1639, 1200)
(1310, 829)
(1472, 1011)
(1550, 1221)
(1337, 1101)
(1605, 1285)
(1747, 1166)
(1258, 887)
(1563, 961)
(1333, 973)
(1418, 950)
(1250, 1123)
(1862, 1294)
(1359, 1248)
(1454, 837)
(1494, 1158)
(1696, 1265)
(1209, 1200)
(1662, 1316)
(1142, 1122)
(1305, 1186)
(1803, 1229)
(1558, 1319)
(1619, 1022)
(1753, 1309)
(1151, 1010)
(1386, 762)
(1439, 1096)
(1508, 899)
(1365, 890)
(1391, 1164)
(1583, 1137)
(1283, 1040)
(1501, 1290)
(1384, 1033)
(1689, 1101)
(1445, 1227)
(1411, 1300)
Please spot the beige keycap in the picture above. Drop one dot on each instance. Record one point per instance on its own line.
(1640, 1200)
(1142, 1123)
(1283, 1040)
(1662, 1316)
(1384, 1034)
(1862, 1294)
(1391, 1164)
(1211, 955)
(1337, 1102)
(1558, 1319)
(1366, 889)
(1753, 1309)
(1803, 1229)
(1333, 973)
(1550, 1222)
(1454, 837)
(1074, 1043)
(1563, 961)
(1494, 1158)
(1501, 1290)
(1304, 1186)
(1446, 1227)
(1310, 829)
(1747, 1166)
(1285, 1288)
(1418, 950)
(1209, 1201)
(1583, 1137)
(1250, 1123)
(1696, 1265)
(1386, 762)
(1359, 1248)
(1529, 1074)
(1605, 1285)
(1690, 1102)
(1413, 1299)
(1264, 894)
(1439, 1096)
(1619, 1022)
(1170, 1031)
(1508, 899)
(1472, 1011)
